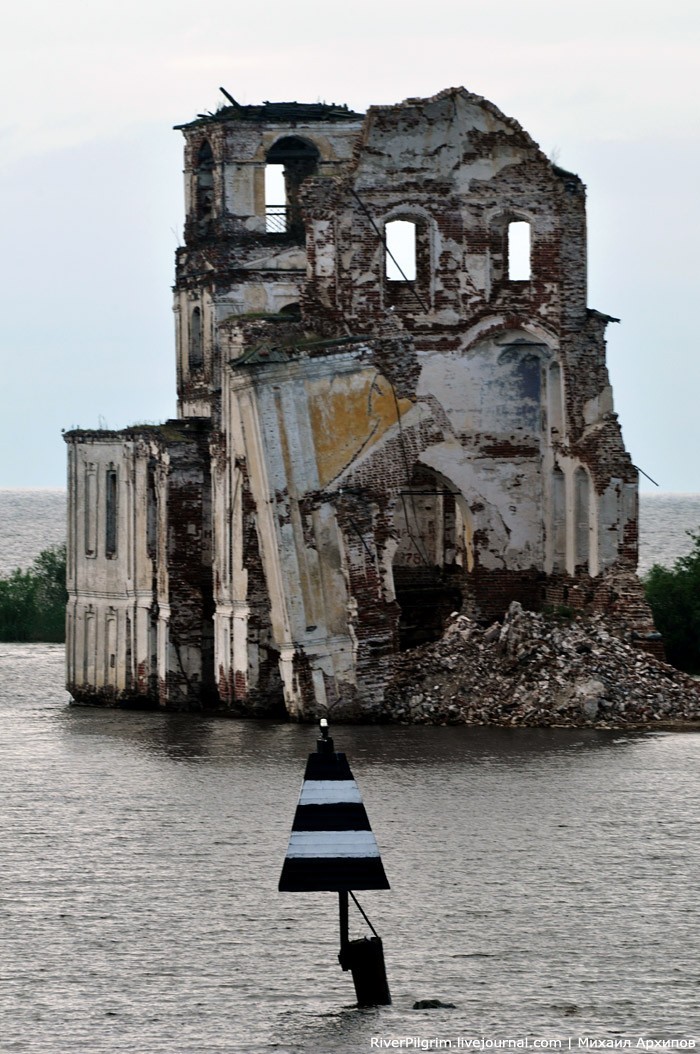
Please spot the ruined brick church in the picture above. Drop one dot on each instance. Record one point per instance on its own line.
(387, 412)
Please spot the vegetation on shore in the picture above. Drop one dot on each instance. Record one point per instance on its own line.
(33, 602)
(674, 597)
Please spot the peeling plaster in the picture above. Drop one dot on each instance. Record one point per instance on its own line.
(341, 476)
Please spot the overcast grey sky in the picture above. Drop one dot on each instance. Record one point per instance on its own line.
(91, 184)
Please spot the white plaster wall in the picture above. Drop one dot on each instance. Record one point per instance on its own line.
(195, 408)
(239, 189)
(493, 387)
(301, 556)
(259, 296)
(108, 596)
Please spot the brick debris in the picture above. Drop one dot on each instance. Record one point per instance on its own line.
(538, 670)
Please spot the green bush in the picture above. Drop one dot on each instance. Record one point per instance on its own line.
(33, 602)
(674, 596)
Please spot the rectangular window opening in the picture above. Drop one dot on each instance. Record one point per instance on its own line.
(111, 513)
(519, 269)
(400, 238)
(90, 511)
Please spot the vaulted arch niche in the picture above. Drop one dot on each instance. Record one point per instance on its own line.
(496, 387)
(513, 395)
(582, 518)
(195, 350)
(433, 555)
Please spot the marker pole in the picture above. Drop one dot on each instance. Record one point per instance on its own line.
(343, 904)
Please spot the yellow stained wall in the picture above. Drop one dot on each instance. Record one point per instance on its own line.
(349, 413)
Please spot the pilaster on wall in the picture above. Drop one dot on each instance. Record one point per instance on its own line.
(298, 542)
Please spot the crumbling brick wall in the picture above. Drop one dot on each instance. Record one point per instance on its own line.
(358, 445)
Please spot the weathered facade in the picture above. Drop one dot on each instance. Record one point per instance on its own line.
(368, 437)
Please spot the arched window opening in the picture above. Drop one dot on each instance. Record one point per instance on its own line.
(196, 355)
(204, 189)
(292, 311)
(90, 510)
(558, 520)
(519, 267)
(289, 162)
(581, 518)
(555, 402)
(400, 242)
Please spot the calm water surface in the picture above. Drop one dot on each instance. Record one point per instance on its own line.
(664, 523)
(545, 882)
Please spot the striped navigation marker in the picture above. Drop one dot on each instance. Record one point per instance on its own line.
(331, 846)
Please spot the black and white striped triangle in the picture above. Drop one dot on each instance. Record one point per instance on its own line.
(331, 846)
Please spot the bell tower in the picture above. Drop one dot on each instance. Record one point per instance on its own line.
(245, 243)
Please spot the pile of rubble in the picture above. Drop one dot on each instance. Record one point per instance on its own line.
(536, 670)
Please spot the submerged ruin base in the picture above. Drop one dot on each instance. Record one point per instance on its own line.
(392, 404)
(553, 669)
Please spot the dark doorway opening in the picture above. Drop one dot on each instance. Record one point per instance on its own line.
(429, 562)
(427, 598)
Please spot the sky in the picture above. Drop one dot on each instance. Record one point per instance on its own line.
(91, 181)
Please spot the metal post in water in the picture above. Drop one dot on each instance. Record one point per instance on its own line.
(343, 912)
(365, 960)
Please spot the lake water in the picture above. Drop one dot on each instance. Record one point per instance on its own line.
(30, 520)
(546, 882)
